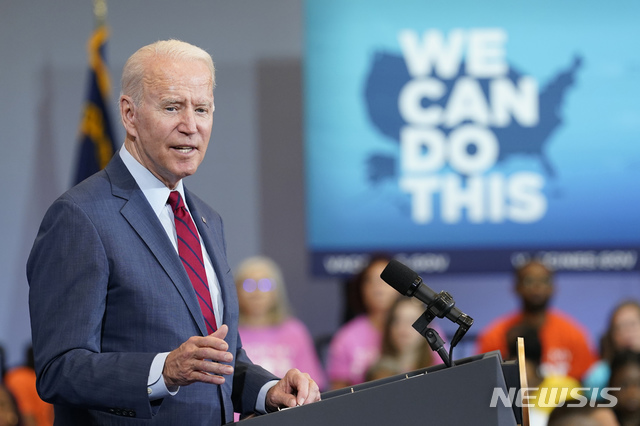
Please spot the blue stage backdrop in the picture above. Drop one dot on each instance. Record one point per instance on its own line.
(470, 135)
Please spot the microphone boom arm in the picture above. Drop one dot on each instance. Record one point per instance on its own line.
(435, 341)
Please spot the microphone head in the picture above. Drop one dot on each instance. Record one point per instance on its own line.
(400, 277)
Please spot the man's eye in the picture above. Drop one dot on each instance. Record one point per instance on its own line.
(171, 108)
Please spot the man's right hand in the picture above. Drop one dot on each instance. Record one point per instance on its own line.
(199, 360)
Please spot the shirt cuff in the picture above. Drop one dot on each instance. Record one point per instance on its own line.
(262, 397)
(156, 388)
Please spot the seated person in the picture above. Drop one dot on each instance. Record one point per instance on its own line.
(403, 348)
(271, 336)
(623, 334)
(356, 345)
(566, 346)
(625, 374)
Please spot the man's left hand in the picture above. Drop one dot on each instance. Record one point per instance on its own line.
(294, 389)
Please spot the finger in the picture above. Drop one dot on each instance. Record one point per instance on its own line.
(280, 396)
(288, 400)
(205, 377)
(216, 339)
(297, 384)
(306, 389)
(314, 392)
(215, 346)
(222, 369)
(221, 332)
(302, 388)
(216, 355)
(219, 370)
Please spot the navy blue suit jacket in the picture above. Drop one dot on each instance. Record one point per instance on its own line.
(108, 292)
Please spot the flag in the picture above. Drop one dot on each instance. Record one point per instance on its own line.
(96, 136)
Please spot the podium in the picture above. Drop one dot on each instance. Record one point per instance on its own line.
(443, 396)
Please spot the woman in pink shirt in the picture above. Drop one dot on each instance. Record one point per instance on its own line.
(356, 345)
(270, 335)
(403, 349)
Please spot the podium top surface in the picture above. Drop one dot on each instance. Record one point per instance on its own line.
(458, 395)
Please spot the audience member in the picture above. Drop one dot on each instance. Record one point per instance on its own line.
(353, 301)
(566, 347)
(568, 415)
(9, 414)
(270, 335)
(546, 392)
(623, 333)
(625, 374)
(356, 345)
(21, 382)
(403, 348)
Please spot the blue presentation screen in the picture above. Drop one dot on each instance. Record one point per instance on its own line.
(470, 135)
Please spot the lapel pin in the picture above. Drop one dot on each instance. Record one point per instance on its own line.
(203, 219)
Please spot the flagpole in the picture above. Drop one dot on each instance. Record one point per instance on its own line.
(100, 12)
(97, 145)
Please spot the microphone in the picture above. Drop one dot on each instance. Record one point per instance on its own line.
(408, 283)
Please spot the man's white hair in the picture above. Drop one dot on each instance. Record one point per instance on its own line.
(134, 69)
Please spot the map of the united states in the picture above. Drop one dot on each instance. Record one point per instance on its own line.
(388, 75)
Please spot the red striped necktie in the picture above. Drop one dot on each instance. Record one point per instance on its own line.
(191, 255)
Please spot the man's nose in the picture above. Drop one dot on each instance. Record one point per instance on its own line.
(188, 122)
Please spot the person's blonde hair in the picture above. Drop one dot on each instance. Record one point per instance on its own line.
(134, 69)
(281, 310)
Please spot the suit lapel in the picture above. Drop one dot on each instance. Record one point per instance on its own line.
(143, 220)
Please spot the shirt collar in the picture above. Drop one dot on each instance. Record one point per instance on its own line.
(153, 189)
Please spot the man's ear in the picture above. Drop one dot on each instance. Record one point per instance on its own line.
(127, 115)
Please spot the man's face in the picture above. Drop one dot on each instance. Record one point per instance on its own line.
(535, 288)
(172, 125)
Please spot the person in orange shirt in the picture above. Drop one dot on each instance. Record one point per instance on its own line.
(566, 346)
(21, 382)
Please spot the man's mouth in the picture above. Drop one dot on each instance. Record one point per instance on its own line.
(184, 149)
